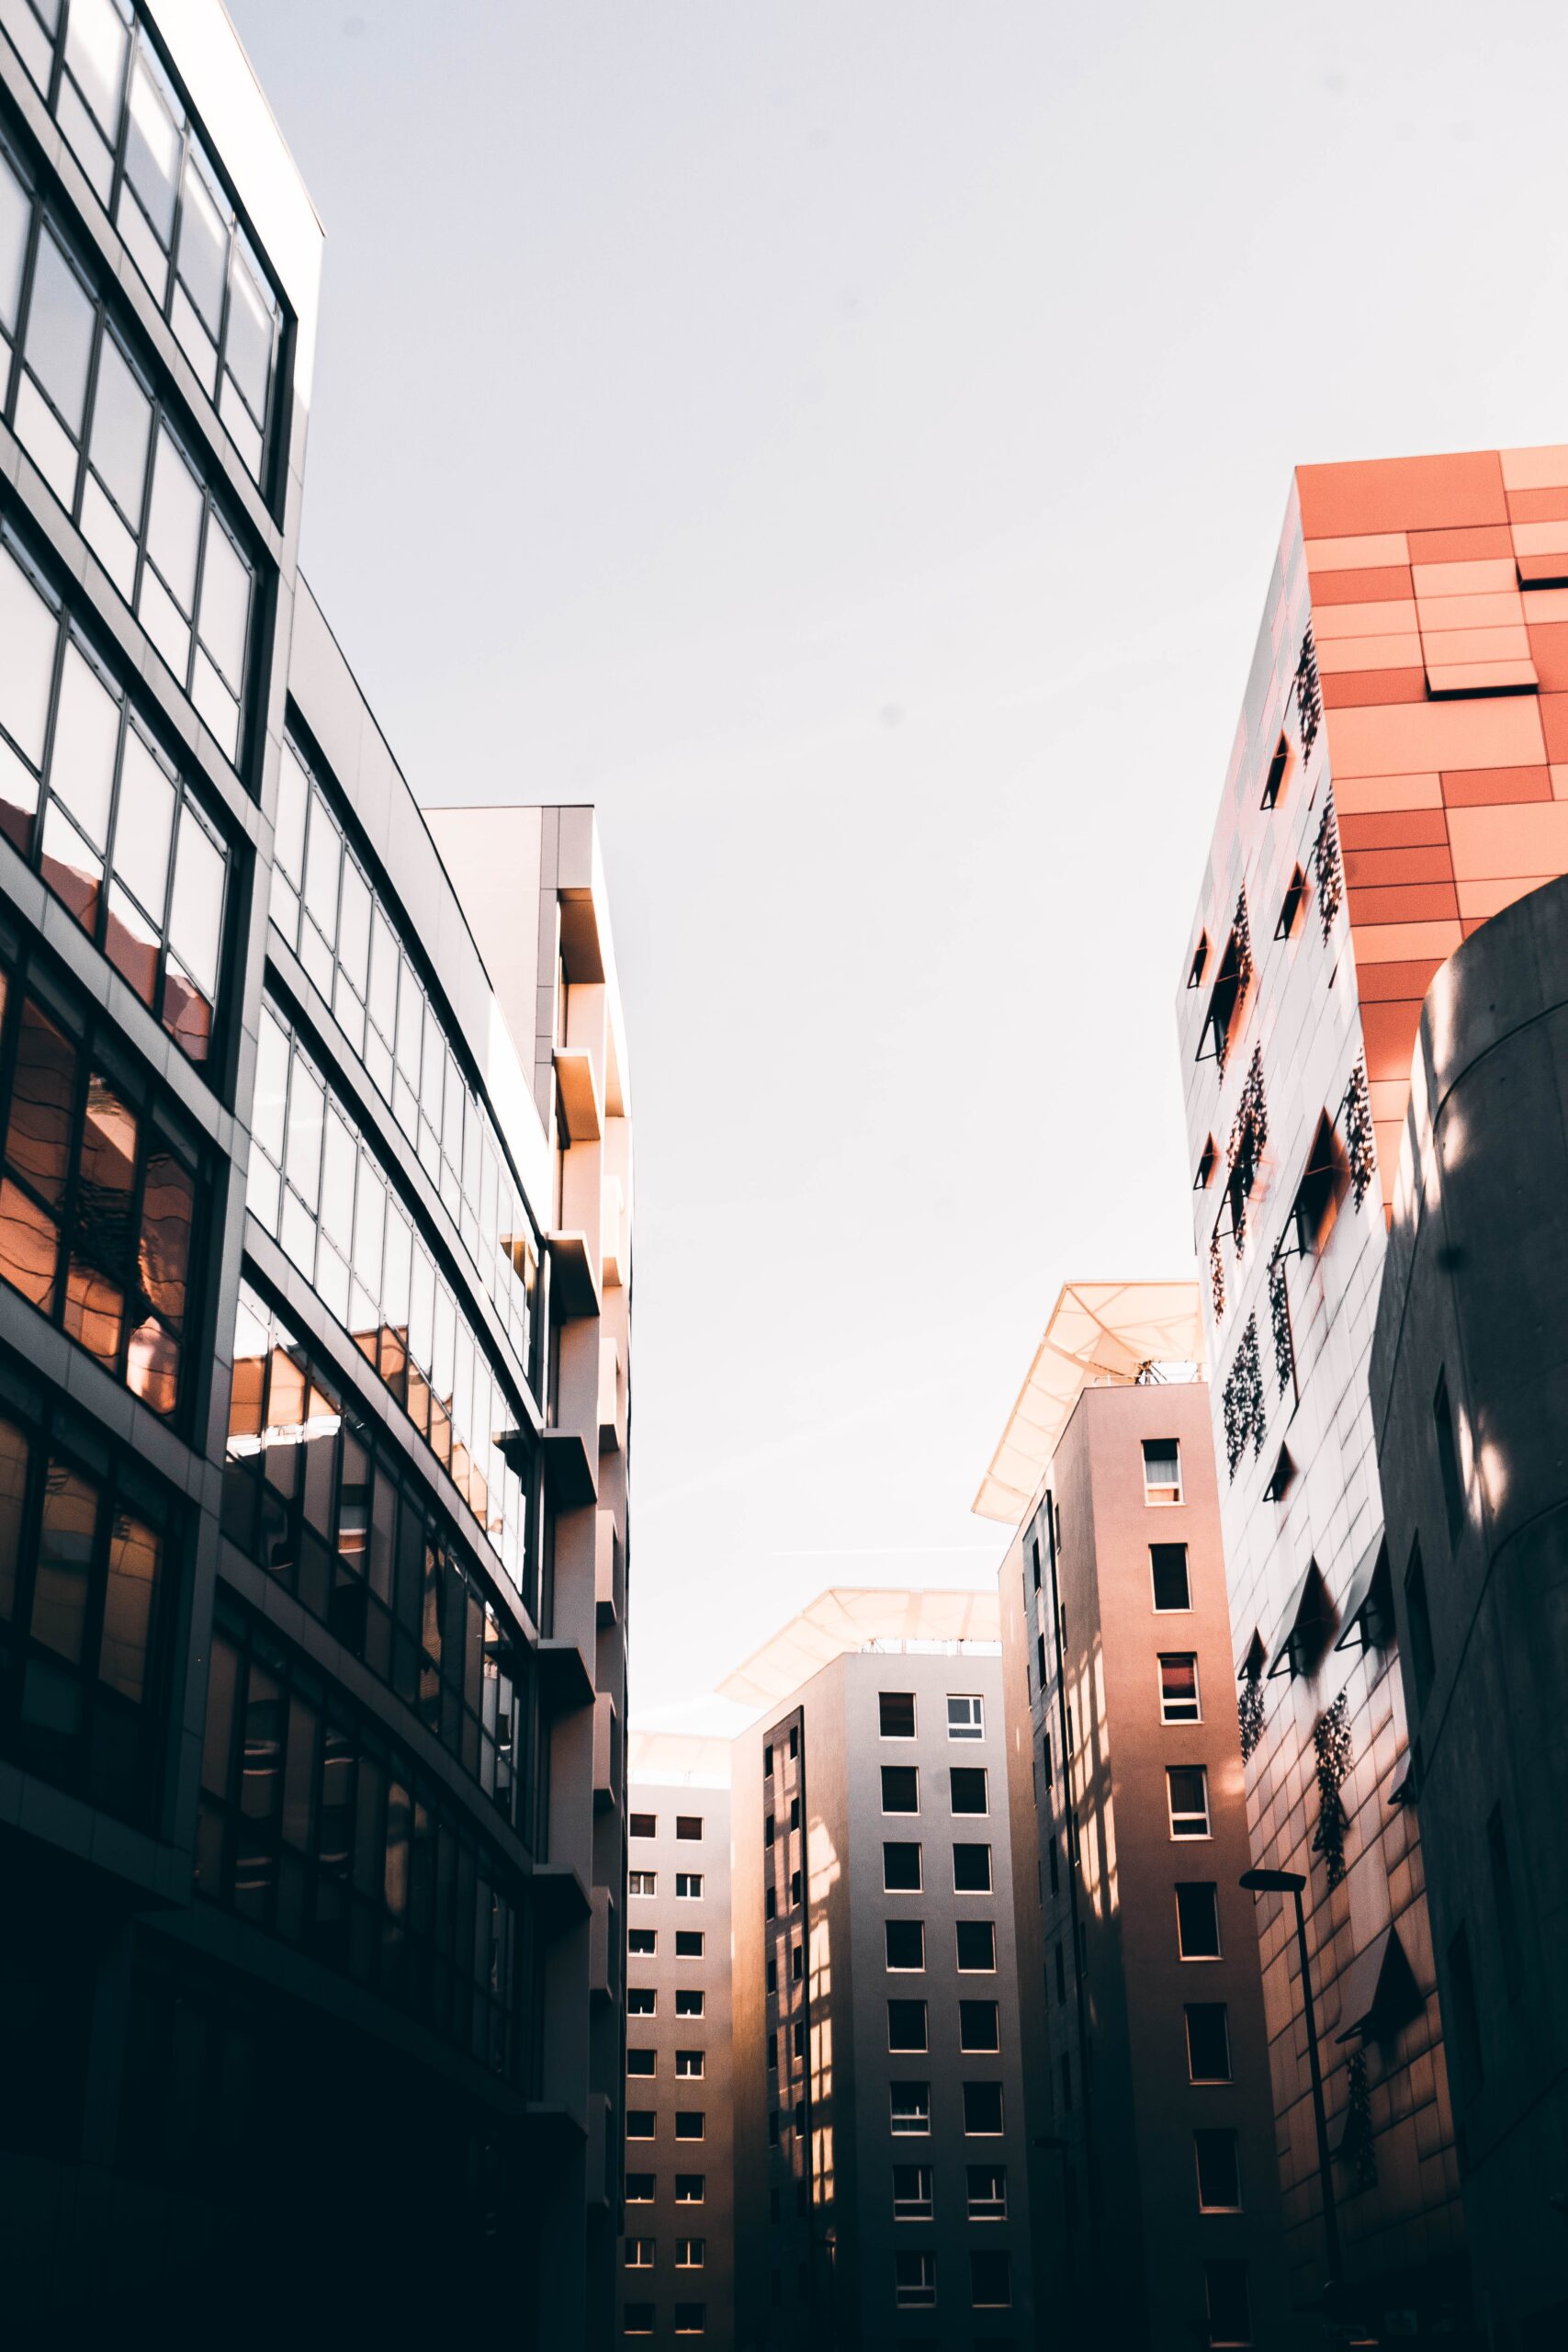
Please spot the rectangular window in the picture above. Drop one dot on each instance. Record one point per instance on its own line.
(796, 1963)
(912, 2192)
(641, 2062)
(1466, 2027)
(690, 2253)
(971, 1870)
(910, 2110)
(1219, 2171)
(976, 1944)
(796, 1889)
(689, 1826)
(690, 2188)
(906, 1943)
(981, 2110)
(636, 2318)
(688, 1943)
(1208, 2042)
(901, 1788)
(642, 2001)
(1418, 1616)
(688, 1886)
(1060, 1975)
(642, 1881)
(1230, 2310)
(768, 1762)
(987, 2197)
(689, 2001)
(1162, 1470)
(640, 2187)
(914, 2278)
(690, 2123)
(978, 2025)
(896, 1713)
(906, 2025)
(970, 1789)
(690, 2319)
(643, 1824)
(1187, 1787)
(901, 1868)
(990, 2281)
(1171, 1589)
(965, 1718)
(1179, 1688)
(641, 2254)
(639, 2123)
(1448, 1458)
(689, 2062)
(1198, 1920)
(642, 1942)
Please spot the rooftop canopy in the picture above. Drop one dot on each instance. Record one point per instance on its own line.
(848, 1618)
(677, 1755)
(1100, 1335)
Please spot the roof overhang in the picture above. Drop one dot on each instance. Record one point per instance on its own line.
(1100, 1334)
(845, 1619)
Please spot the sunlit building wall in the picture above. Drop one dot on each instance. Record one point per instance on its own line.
(1395, 780)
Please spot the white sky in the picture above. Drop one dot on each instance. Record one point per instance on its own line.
(847, 442)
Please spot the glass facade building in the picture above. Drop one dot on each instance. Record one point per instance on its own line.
(315, 1191)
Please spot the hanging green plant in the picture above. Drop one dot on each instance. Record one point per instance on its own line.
(1331, 1738)
(1249, 1707)
(1357, 2148)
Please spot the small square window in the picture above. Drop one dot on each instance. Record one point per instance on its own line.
(688, 1886)
(639, 2123)
(639, 2188)
(969, 1789)
(689, 1826)
(1230, 2309)
(690, 2123)
(767, 1830)
(901, 1788)
(1208, 2042)
(914, 2281)
(794, 1812)
(981, 2110)
(976, 1944)
(910, 2110)
(796, 1889)
(965, 1718)
(796, 1963)
(690, 2188)
(642, 2001)
(1162, 1470)
(987, 2192)
(1198, 1920)
(691, 2253)
(642, 1881)
(906, 2025)
(971, 1870)
(689, 2062)
(643, 1824)
(641, 2062)
(906, 1943)
(1173, 1591)
(1219, 2171)
(1179, 1688)
(642, 1942)
(768, 1762)
(990, 2281)
(689, 2001)
(690, 2319)
(896, 1713)
(639, 2253)
(901, 1868)
(1280, 760)
(794, 1741)
(688, 1943)
(978, 2025)
(912, 2192)
(1187, 1787)
(636, 2318)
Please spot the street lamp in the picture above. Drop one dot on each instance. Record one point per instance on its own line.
(1291, 1882)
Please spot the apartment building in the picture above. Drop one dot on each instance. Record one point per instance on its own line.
(678, 2250)
(1467, 1381)
(881, 2149)
(1154, 2182)
(313, 1296)
(1394, 782)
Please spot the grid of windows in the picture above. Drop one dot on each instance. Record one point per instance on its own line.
(330, 912)
(88, 798)
(107, 90)
(98, 1194)
(83, 1550)
(318, 1188)
(85, 413)
(315, 1826)
(311, 1497)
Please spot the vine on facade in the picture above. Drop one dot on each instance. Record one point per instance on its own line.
(1249, 1133)
(1360, 1147)
(1244, 1415)
(1357, 2149)
(1327, 868)
(1216, 1277)
(1309, 695)
(1279, 1318)
(1250, 1701)
(1235, 978)
(1331, 1738)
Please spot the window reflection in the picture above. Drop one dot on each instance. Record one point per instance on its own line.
(122, 842)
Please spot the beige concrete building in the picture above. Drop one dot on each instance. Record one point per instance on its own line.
(1146, 2070)
(881, 2188)
(678, 2250)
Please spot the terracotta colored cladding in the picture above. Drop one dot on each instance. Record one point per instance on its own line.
(1443, 663)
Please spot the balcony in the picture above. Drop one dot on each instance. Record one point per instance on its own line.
(578, 1089)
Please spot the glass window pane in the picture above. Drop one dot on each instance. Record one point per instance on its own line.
(37, 1142)
(60, 333)
(168, 1208)
(100, 1249)
(293, 801)
(340, 1160)
(28, 630)
(353, 926)
(383, 974)
(173, 526)
(196, 918)
(272, 1088)
(248, 345)
(14, 1456)
(303, 1162)
(322, 862)
(64, 1561)
(96, 44)
(204, 240)
(153, 150)
(86, 735)
(225, 604)
(143, 826)
(135, 1550)
(122, 419)
(15, 214)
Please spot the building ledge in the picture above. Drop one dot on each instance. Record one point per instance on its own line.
(571, 1269)
(566, 1679)
(579, 1092)
(570, 1472)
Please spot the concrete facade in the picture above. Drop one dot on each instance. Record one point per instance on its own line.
(880, 2192)
(1468, 1379)
(1156, 2187)
(314, 1324)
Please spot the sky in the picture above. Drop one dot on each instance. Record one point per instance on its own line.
(847, 441)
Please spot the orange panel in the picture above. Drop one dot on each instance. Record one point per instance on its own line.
(1548, 652)
(1553, 711)
(1559, 782)
(1357, 587)
(1357, 553)
(1402, 862)
(1540, 538)
(1542, 566)
(1460, 547)
(1545, 603)
(1496, 575)
(1496, 608)
(1483, 734)
(1351, 688)
(1539, 505)
(1353, 794)
(1397, 828)
(1418, 902)
(1535, 468)
(1376, 982)
(1447, 647)
(1389, 617)
(1528, 837)
(1479, 901)
(1472, 788)
(1400, 652)
(1402, 495)
(1390, 1032)
(1398, 943)
(1478, 677)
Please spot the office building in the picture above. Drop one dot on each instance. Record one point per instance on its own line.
(1395, 781)
(312, 1333)
(881, 2150)
(1153, 2185)
(1468, 1391)
(678, 2249)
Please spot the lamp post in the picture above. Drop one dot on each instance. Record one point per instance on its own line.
(1291, 1882)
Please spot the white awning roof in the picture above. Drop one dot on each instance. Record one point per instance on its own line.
(848, 1618)
(678, 1756)
(1100, 1334)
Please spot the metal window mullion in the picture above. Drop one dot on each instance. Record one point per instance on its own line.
(25, 302)
(46, 766)
(111, 830)
(196, 594)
